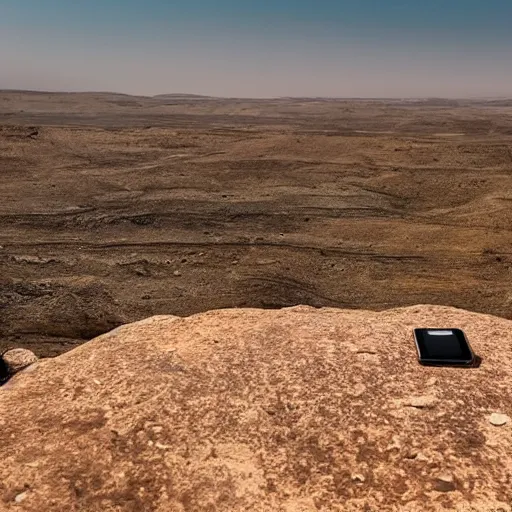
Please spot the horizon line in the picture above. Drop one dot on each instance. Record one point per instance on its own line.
(206, 96)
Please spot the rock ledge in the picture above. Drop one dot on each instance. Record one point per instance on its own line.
(299, 409)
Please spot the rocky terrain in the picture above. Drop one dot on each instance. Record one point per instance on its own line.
(293, 410)
(115, 208)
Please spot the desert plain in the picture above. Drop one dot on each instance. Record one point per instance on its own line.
(114, 208)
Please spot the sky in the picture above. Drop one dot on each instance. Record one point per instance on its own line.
(259, 48)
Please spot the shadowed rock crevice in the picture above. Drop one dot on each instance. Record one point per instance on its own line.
(62, 311)
(4, 370)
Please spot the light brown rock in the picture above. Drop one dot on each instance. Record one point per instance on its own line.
(423, 402)
(239, 410)
(20, 497)
(17, 359)
(498, 420)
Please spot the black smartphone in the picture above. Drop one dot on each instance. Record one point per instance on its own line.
(443, 347)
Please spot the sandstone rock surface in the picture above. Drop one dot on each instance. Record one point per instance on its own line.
(299, 409)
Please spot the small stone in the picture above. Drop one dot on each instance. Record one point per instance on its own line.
(411, 454)
(34, 464)
(266, 261)
(443, 486)
(157, 429)
(20, 497)
(432, 381)
(17, 359)
(498, 420)
(358, 478)
(177, 273)
(359, 389)
(422, 402)
(421, 457)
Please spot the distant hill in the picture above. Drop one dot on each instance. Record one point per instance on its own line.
(178, 96)
(499, 103)
(109, 95)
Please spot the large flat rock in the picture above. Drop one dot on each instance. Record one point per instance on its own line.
(298, 409)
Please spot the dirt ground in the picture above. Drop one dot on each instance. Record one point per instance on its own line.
(114, 208)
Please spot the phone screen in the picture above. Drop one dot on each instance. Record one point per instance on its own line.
(439, 345)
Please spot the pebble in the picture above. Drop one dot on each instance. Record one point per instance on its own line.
(422, 402)
(498, 420)
(20, 497)
(411, 454)
(17, 359)
(177, 273)
(266, 261)
(358, 478)
(445, 477)
(443, 486)
(359, 389)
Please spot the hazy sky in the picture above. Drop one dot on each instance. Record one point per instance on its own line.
(259, 48)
